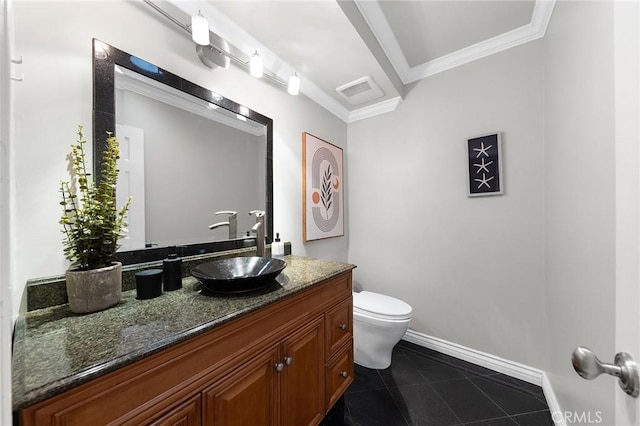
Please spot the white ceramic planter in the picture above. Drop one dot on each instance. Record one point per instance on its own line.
(94, 290)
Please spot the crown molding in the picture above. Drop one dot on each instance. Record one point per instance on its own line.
(474, 52)
(377, 22)
(375, 109)
(373, 15)
(542, 12)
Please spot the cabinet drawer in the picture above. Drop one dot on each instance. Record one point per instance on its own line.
(338, 326)
(339, 374)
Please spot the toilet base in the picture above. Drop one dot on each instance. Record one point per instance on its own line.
(373, 345)
(377, 364)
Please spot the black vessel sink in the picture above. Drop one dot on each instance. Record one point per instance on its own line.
(238, 274)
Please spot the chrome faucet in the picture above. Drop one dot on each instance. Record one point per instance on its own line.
(258, 230)
(232, 223)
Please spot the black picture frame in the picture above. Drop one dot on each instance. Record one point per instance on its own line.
(484, 165)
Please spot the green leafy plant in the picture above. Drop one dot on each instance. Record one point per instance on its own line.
(91, 222)
(327, 193)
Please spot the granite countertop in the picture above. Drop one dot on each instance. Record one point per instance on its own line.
(55, 350)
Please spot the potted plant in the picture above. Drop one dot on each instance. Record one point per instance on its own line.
(92, 225)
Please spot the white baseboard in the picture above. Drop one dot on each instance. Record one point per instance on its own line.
(510, 368)
(492, 362)
(552, 402)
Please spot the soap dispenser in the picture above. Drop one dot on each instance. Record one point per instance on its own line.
(277, 247)
(172, 272)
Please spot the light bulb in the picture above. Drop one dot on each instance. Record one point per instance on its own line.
(255, 66)
(200, 29)
(294, 84)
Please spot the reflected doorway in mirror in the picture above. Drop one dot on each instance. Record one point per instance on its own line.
(131, 184)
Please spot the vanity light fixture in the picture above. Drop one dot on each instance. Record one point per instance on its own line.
(255, 65)
(200, 29)
(200, 33)
(294, 84)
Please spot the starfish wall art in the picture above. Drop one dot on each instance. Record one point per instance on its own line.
(484, 165)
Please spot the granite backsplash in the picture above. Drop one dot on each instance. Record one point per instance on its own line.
(51, 291)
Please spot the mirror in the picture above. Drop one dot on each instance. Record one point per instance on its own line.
(187, 153)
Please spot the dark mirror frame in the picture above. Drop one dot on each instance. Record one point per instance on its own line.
(105, 57)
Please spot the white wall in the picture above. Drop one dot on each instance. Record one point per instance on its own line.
(55, 39)
(472, 268)
(6, 209)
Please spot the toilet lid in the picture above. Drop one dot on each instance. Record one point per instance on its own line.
(380, 306)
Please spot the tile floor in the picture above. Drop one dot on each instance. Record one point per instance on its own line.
(424, 387)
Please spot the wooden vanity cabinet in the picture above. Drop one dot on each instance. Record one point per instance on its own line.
(283, 386)
(284, 364)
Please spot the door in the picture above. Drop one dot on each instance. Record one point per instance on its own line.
(303, 376)
(625, 277)
(248, 396)
(131, 183)
(626, 16)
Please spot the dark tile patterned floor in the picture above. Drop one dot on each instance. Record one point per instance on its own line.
(424, 387)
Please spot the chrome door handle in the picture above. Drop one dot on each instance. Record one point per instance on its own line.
(288, 360)
(343, 326)
(588, 366)
(279, 367)
(344, 374)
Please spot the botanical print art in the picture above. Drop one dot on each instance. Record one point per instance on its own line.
(323, 194)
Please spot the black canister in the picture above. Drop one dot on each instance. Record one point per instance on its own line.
(148, 283)
(172, 266)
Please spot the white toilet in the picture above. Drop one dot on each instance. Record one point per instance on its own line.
(379, 322)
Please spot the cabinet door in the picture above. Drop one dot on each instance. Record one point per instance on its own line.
(303, 376)
(248, 396)
(185, 414)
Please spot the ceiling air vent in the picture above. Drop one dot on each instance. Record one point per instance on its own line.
(360, 91)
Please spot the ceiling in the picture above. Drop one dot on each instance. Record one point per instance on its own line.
(331, 43)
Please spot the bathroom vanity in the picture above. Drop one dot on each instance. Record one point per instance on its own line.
(282, 357)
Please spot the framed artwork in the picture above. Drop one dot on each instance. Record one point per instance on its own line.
(484, 165)
(322, 189)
